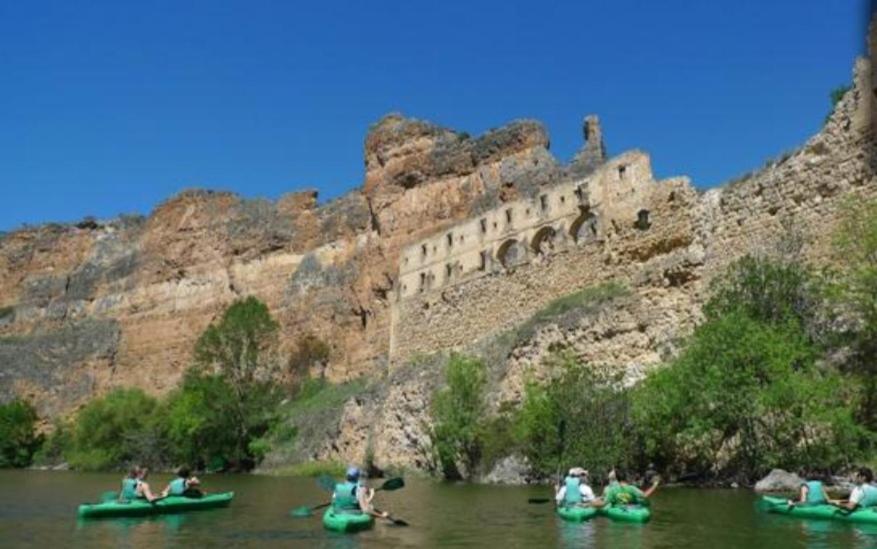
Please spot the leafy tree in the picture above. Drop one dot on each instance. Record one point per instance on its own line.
(745, 396)
(594, 408)
(18, 437)
(201, 422)
(234, 363)
(855, 291)
(457, 411)
(114, 431)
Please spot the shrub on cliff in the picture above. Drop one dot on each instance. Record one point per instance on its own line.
(457, 412)
(592, 404)
(18, 437)
(114, 431)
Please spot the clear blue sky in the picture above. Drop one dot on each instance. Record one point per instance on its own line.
(111, 107)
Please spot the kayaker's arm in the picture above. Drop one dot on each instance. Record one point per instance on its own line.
(652, 488)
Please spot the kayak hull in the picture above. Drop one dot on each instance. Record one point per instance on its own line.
(576, 514)
(347, 522)
(141, 508)
(780, 506)
(626, 513)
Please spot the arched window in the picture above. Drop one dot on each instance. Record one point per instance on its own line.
(642, 220)
(585, 227)
(544, 240)
(511, 253)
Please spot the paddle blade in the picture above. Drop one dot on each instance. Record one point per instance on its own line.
(538, 500)
(326, 483)
(301, 512)
(399, 522)
(393, 484)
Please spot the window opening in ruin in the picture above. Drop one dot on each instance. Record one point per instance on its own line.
(423, 250)
(527, 212)
(642, 220)
(483, 265)
(494, 225)
(422, 281)
(484, 225)
(449, 271)
(511, 253)
(543, 241)
(406, 260)
(621, 170)
(543, 202)
(462, 238)
(450, 239)
(508, 215)
(585, 226)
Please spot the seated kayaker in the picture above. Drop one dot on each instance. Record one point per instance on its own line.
(624, 493)
(134, 486)
(810, 493)
(183, 485)
(864, 494)
(575, 489)
(351, 496)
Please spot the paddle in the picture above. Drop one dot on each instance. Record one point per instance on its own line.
(306, 511)
(396, 521)
(561, 438)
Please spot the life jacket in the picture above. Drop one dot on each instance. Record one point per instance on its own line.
(345, 497)
(129, 489)
(869, 498)
(177, 486)
(573, 494)
(815, 493)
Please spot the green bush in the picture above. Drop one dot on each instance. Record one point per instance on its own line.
(745, 396)
(18, 437)
(457, 412)
(208, 426)
(579, 417)
(116, 430)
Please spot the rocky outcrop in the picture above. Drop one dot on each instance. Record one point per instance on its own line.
(779, 480)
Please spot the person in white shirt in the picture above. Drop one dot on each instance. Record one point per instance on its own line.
(575, 489)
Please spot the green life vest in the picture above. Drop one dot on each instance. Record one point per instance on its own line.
(129, 489)
(869, 498)
(573, 494)
(345, 497)
(815, 493)
(178, 486)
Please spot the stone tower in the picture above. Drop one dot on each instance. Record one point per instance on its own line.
(593, 152)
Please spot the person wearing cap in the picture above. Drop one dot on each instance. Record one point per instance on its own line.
(352, 496)
(575, 489)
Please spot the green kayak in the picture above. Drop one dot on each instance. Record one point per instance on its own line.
(824, 511)
(627, 513)
(352, 521)
(141, 507)
(576, 514)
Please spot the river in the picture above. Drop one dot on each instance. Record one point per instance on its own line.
(38, 509)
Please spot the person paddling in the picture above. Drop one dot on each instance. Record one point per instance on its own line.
(183, 485)
(811, 492)
(351, 496)
(575, 490)
(134, 486)
(863, 495)
(625, 493)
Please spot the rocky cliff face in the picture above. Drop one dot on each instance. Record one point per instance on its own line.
(94, 305)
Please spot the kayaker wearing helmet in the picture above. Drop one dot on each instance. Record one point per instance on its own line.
(863, 495)
(183, 485)
(352, 496)
(575, 489)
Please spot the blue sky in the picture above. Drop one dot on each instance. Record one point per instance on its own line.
(111, 107)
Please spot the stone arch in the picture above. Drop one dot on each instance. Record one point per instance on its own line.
(544, 241)
(512, 252)
(585, 227)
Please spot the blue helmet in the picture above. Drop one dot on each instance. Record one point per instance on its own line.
(352, 473)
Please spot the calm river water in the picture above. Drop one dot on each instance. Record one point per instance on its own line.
(38, 509)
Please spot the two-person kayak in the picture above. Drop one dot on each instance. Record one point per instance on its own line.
(620, 513)
(821, 511)
(162, 506)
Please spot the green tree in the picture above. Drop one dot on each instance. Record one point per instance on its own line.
(457, 412)
(239, 352)
(856, 293)
(18, 437)
(594, 407)
(116, 430)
